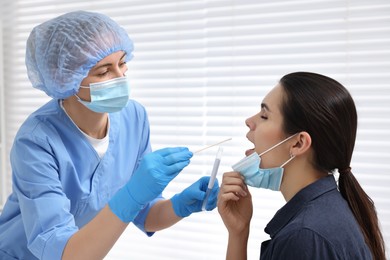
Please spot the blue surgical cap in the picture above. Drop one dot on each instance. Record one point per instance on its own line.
(61, 51)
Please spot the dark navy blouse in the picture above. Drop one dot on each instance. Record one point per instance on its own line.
(316, 223)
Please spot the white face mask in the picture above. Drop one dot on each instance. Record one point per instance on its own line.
(108, 96)
(270, 178)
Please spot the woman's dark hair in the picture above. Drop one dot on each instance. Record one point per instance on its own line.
(324, 109)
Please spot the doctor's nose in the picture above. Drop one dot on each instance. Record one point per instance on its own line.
(120, 72)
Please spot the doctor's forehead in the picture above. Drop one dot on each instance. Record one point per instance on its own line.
(111, 58)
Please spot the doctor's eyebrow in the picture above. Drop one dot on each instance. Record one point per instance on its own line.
(108, 64)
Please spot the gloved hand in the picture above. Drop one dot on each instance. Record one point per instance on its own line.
(191, 199)
(155, 171)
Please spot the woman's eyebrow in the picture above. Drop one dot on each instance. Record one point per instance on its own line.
(265, 106)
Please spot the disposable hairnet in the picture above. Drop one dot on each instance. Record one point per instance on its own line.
(61, 51)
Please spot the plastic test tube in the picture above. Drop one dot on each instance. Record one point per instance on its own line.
(212, 177)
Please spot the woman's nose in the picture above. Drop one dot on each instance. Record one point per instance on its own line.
(249, 123)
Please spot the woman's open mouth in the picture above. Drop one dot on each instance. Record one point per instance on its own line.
(249, 151)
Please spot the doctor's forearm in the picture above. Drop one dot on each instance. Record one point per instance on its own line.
(161, 216)
(95, 239)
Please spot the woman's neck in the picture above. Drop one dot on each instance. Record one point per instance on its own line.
(297, 175)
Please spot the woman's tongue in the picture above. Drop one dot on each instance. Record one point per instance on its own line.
(249, 151)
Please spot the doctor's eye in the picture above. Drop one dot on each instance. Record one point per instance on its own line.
(103, 74)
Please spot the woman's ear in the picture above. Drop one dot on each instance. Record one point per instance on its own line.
(302, 143)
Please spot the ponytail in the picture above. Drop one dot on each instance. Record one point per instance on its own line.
(364, 211)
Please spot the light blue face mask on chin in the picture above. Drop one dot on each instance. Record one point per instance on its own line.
(269, 178)
(108, 96)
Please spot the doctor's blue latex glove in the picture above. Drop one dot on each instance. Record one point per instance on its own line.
(155, 171)
(191, 199)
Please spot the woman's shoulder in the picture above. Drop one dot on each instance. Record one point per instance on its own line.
(328, 219)
(327, 212)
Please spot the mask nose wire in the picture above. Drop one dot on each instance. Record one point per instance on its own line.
(285, 140)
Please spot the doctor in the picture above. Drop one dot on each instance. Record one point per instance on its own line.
(82, 164)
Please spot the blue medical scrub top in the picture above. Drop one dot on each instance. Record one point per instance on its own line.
(316, 223)
(59, 181)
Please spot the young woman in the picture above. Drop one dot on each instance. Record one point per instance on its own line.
(305, 131)
(82, 164)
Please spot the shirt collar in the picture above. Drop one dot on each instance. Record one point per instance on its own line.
(307, 194)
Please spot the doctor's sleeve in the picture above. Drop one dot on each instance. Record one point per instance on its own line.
(45, 209)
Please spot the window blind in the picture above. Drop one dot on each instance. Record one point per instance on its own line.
(3, 185)
(201, 67)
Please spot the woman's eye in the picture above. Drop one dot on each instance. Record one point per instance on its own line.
(122, 64)
(264, 117)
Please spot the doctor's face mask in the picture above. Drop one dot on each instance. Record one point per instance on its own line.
(269, 178)
(108, 96)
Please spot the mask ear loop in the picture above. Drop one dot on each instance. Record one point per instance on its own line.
(292, 157)
(285, 140)
(78, 98)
